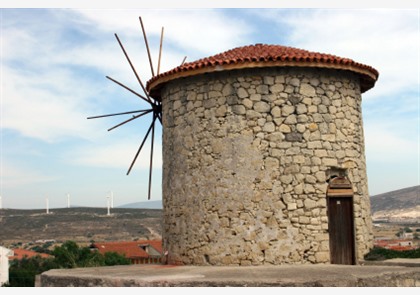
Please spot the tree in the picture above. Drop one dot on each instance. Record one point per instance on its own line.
(69, 255)
(113, 258)
(22, 272)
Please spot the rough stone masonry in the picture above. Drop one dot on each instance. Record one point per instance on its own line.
(247, 156)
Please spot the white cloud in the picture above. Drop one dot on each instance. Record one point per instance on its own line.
(13, 175)
(199, 32)
(51, 84)
(49, 88)
(386, 39)
(385, 146)
(46, 107)
(118, 154)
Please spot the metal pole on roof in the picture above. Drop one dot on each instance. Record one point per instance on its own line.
(183, 61)
(160, 51)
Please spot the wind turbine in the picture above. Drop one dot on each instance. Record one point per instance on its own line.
(112, 199)
(108, 206)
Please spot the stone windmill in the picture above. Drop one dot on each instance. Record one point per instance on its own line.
(263, 158)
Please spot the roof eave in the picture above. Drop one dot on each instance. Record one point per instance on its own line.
(368, 75)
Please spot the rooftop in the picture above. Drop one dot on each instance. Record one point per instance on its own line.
(263, 55)
(131, 249)
(22, 253)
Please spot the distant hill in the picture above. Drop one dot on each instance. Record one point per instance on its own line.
(81, 225)
(399, 199)
(398, 204)
(144, 205)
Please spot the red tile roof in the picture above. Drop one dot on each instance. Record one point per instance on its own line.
(397, 244)
(21, 253)
(262, 55)
(130, 249)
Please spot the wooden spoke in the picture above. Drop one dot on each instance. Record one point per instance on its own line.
(129, 89)
(116, 114)
(131, 119)
(147, 46)
(155, 105)
(141, 146)
(134, 70)
(151, 156)
(159, 116)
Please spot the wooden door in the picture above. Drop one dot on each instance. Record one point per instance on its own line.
(341, 225)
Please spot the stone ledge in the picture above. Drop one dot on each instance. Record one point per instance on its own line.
(223, 276)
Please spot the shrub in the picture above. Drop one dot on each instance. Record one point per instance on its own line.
(22, 272)
(378, 254)
(69, 255)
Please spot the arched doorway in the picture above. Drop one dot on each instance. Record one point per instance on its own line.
(341, 221)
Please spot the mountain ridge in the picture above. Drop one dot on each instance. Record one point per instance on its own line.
(143, 205)
(402, 204)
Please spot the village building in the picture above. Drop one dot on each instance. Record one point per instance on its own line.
(20, 254)
(139, 252)
(5, 253)
(264, 158)
(396, 244)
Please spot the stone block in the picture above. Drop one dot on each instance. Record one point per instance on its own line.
(238, 109)
(261, 107)
(285, 128)
(294, 137)
(276, 112)
(242, 93)
(307, 90)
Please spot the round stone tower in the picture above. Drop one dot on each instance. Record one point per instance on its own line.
(263, 158)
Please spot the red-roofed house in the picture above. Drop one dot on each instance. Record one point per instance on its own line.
(398, 245)
(22, 253)
(139, 252)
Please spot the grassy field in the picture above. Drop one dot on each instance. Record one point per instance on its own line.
(81, 225)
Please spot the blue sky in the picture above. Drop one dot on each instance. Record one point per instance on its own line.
(53, 68)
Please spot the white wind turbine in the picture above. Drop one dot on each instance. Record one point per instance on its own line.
(108, 206)
(110, 195)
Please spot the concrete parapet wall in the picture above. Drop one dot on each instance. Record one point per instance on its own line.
(244, 276)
